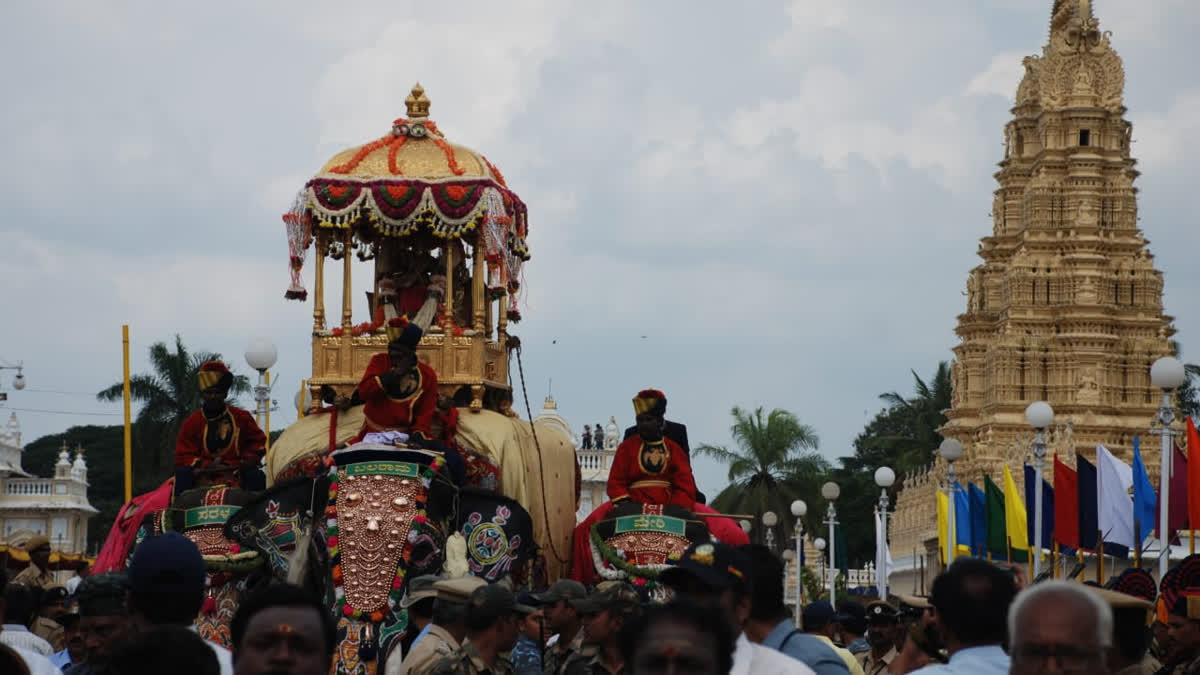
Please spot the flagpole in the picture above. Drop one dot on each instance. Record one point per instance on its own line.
(1137, 540)
(1054, 561)
(1040, 415)
(128, 426)
(1168, 374)
(1100, 557)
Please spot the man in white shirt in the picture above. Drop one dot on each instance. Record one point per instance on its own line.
(166, 587)
(970, 602)
(18, 607)
(36, 663)
(719, 575)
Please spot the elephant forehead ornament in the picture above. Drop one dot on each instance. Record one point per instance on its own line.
(373, 509)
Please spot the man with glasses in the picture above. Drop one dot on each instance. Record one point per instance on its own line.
(1059, 627)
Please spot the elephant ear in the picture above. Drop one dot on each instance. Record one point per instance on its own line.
(278, 521)
(498, 532)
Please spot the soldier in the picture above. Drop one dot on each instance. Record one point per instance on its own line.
(38, 572)
(1128, 654)
(605, 612)
(564, 621)
(493, 615)
(882, 624)
(447, 631)
(418, 600)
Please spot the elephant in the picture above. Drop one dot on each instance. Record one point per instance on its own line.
(539, 475)
(635, 542)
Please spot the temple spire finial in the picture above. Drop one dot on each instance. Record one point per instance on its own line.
(417, 103)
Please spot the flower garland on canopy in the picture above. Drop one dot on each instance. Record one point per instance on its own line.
(610, 565)
(342, 606)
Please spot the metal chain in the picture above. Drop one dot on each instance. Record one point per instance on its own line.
(541, 463)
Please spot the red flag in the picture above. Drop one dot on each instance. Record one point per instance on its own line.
(1193, 473)
(1066, 505)
(1177, 509)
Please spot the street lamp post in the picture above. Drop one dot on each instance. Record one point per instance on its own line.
(18, 381)
(1167, 374)
(769, 521)
(1040, 415)
(819, 543)
(830, 491)
(884, 478)
(951, 450)
(799, 509)
(261, 354)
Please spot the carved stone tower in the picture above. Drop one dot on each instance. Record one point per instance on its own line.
(1067, 305)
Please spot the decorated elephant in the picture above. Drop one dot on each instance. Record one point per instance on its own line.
(200, 514)
(539, 475)
(635, 541)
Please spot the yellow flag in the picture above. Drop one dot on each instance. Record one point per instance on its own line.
(943, 517)
(1015, 520)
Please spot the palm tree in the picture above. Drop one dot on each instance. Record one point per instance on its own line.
(167, 396)
(921, 416)
(1188, 396)
(775, 463)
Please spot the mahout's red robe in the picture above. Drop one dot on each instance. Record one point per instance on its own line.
(386, 411)
(232, 437)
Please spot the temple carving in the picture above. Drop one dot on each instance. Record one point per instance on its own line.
(1066, 306)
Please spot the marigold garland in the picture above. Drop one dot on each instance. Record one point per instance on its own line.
(392, 150)
(495, 172)
(362, 154)
(638, 576)
(396, 594)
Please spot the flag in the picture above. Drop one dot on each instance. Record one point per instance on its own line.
(1089, 517)
(962, 520)
(1047, 508)
(978, 520)
(997, 535)
(943, 518)
(1114, 513)
(1193, 475)
(1177, 509)
(1014, 519)
(1144, 497)
(1066, 506)
(883, 558)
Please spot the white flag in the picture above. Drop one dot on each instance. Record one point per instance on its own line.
(1114, 478)
(883, 558)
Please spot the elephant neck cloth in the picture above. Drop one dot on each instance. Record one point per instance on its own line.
(231, 436)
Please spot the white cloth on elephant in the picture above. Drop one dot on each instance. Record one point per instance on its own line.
(386, 437)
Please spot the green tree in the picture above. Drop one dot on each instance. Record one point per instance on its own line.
(1188, 396)
(775, 463)
(167, 396)
(913, 437)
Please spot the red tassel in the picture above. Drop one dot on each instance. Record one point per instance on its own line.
(209, 607)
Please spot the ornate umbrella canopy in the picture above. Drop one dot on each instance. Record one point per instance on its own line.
(412, 182)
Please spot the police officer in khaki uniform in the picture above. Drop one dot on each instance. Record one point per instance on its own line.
(1129, 652)
(38, 573)
(493, 622)
(882, 625)
(53, 605)
(447, 631)
(604, 613)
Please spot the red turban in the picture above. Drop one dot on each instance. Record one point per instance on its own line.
(650, 401)
(214, 374)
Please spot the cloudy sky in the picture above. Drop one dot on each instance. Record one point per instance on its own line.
(770, 203)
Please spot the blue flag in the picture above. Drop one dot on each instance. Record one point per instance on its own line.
(1144, 497)
(978, 511)
(962, 517)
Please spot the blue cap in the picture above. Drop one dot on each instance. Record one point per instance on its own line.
(817, 614)
(168, 563)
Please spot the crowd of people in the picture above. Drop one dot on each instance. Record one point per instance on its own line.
(723, 612)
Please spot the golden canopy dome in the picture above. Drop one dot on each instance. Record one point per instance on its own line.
(415, 148)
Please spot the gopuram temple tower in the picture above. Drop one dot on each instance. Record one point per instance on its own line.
(1067, 304)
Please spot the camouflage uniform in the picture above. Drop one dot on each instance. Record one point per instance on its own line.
(616, 598)
(467, 661)
(557, 656)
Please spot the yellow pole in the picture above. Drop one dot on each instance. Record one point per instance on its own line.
(128, 424)
(268, 412)
(303, 408)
